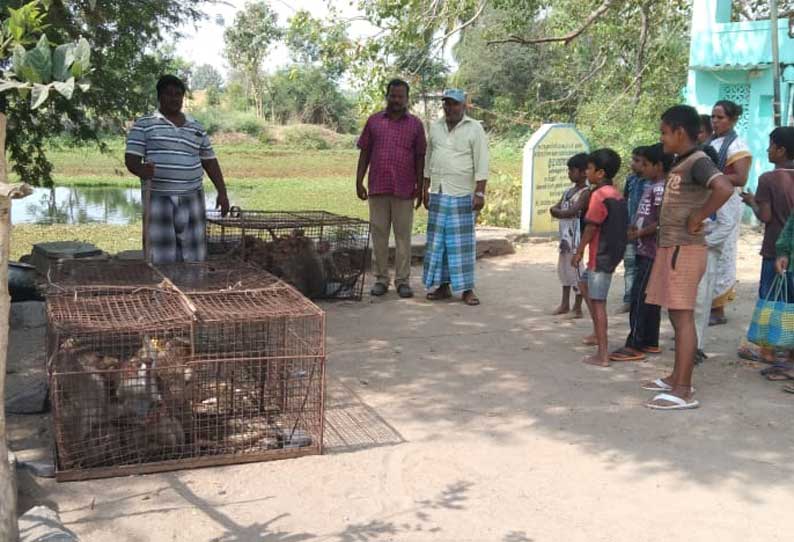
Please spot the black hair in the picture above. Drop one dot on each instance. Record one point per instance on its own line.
(605, 159)
(578, 161)
(637, 151)
(683, 116)
(732, 109)
(170, 81)
(705, 124)
(655, 155)
(783, 136)
(398, 83)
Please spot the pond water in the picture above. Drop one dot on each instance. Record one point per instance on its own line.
(83, 205)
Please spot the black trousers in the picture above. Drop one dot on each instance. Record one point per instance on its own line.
(643, 318)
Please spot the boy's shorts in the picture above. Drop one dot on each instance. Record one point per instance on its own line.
(675, 277)
(598, 284)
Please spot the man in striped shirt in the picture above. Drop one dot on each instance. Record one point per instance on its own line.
(171, 151)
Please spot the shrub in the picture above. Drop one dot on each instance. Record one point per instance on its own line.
(503, 204)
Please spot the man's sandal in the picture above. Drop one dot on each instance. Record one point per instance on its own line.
(470, 298)
(442, 292)
(667, 401)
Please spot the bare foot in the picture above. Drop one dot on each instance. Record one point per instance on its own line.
(590, 340)
(595, 360)
(562, 309)
(576, 315)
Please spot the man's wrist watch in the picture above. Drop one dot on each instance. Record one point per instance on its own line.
(480, 194)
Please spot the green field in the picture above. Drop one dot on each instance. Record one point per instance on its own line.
(258, 177)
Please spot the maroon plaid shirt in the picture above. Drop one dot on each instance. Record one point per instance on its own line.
(394, 146)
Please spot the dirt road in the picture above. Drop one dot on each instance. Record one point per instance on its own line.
(450, 423)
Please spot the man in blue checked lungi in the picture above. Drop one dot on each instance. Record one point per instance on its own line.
(456, 170)
(170, 151)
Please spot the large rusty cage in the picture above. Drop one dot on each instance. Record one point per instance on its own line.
(322, 254)
(197, 365)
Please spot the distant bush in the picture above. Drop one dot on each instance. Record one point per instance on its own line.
(312, 137)
(217, 121)
(503, 204)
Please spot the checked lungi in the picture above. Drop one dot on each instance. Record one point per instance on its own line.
(450, 252)
(177, 230)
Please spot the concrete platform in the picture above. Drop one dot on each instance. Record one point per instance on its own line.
(491, 242)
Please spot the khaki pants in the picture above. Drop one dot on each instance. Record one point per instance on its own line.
(386, 212)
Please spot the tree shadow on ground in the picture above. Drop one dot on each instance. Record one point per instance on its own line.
(460, 370)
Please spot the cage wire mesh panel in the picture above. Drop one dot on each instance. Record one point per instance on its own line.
(260, 380)
(146, 379)
(118, 369)
(216, 276)
(94, 273)
(322, 254)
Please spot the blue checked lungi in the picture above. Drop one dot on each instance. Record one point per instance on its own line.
(177, 229)
(450, 252)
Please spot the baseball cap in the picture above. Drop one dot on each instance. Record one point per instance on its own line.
(454, 94)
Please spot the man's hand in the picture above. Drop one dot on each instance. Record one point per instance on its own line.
(477, 203)
(419, 195)
(781, 264)
(576, 259)
(222, 203)
(147, 170)
(748, 198)
(553, 212)
(694, 224)
(361, 191)
(633, 233)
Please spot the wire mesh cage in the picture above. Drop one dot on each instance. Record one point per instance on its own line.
(145, 379)
(70, 273)
(322, 254)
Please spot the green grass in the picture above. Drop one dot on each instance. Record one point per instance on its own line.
(258, 176)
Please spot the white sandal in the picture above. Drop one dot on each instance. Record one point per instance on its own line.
(678, 403)
(657, 385)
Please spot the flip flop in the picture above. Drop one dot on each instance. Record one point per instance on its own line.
(439, 293)
(657, 385)
(780, 376)
(626, 354)
(777, 367)
(788, 388)
(652, 350)
(677, 403)
(470, 298)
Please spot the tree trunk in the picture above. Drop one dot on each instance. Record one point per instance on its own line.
(8, 498)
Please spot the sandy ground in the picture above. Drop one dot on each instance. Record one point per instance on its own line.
(456, 424)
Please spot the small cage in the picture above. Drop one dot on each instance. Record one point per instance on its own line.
(322, 254)
(145, 379)
(111, 353)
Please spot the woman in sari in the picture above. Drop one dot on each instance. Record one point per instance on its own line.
(734, 161)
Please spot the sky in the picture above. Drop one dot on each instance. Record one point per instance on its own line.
(203, 44)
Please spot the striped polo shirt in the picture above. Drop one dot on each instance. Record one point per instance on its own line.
(176, 151)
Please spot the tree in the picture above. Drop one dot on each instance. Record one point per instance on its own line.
(126, 62)
(247, 45)
(206, 77)
(312, 41)
(307, 94)
(34, 74)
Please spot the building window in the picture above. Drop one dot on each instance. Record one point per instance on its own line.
(740, 95)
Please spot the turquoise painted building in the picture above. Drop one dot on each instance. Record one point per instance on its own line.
(734, 61)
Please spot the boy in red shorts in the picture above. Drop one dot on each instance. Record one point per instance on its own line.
(695, 190)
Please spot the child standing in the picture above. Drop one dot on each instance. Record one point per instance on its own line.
(772, 205)
(605, 237)
(644, 319)
(569, 211)
(632, 192)
(695, 190)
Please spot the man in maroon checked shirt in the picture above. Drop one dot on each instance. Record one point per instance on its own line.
(393, 148)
